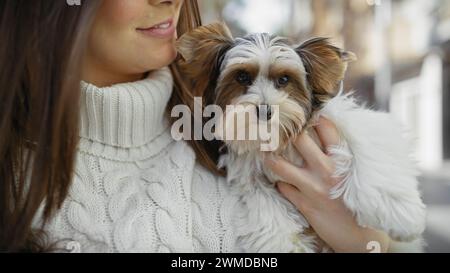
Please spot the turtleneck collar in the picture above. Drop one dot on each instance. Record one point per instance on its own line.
(126, 115)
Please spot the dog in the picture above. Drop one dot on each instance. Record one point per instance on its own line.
(379, 180)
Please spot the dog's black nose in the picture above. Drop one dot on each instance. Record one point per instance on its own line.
(264, 112)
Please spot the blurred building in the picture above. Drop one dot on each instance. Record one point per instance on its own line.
(420, 88)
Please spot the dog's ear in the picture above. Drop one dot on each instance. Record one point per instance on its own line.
(202, 51)
(325, 66)
(203, 41)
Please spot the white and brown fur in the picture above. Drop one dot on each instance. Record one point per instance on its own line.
(379, 182)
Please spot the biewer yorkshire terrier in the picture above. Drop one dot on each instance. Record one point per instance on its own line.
(378, 178)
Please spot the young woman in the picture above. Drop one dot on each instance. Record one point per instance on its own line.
(96, 169)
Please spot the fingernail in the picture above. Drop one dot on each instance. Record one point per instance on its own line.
(277, 187)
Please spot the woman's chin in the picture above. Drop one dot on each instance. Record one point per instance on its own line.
(162, 58)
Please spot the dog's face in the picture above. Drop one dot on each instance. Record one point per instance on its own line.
(276, 79)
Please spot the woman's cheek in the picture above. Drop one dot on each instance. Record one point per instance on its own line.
(120, 13)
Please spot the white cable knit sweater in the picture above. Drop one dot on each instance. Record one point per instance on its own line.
(135, 189)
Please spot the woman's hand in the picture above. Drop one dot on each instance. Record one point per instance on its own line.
(308, 189)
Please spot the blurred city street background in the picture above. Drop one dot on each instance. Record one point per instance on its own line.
(403, 49)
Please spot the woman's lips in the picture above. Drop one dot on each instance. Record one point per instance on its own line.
(165, 29)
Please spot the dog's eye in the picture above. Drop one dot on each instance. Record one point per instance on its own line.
(244, 78)
(283, 81)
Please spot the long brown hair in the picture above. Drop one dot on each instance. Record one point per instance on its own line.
(41, 48)
(207, 151)
(40, 51)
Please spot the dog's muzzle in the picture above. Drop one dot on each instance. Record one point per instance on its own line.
(264, 112)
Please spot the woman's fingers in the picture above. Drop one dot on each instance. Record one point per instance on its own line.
(319, 165)
(313, 155)
(292, 194)
(301, 178)
(309, 150)
(327, 132)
